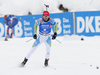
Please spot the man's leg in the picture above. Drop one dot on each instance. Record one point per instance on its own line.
(11, 33)
(48, 46)
(34, 47)
(31, 51)
(7, 32)
(47, 51)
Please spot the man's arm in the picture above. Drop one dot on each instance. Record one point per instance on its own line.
(35, 29)
(35, 26)
(5, 22)
(55, 28)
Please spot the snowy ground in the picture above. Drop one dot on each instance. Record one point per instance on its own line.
(71, 57)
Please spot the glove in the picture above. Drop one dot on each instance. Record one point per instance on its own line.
(35, 36)
(54, 36)
(4, 22)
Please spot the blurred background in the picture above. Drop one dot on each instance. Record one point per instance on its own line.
(24, 7)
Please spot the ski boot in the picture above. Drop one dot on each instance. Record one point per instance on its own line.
(24, 62)
(46, 62)
(11, 35)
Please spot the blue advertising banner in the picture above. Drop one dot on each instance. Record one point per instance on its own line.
(88, 23)
(25, 26)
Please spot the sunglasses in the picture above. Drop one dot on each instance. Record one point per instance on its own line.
(46, 16)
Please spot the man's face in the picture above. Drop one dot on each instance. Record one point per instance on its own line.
(46, 18)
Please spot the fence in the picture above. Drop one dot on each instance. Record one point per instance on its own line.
(69, 23)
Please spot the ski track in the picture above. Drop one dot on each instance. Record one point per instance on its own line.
(71, 57)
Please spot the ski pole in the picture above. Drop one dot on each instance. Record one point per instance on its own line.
(29, 40)
(32, 39)
(58, 41)
(24, 19)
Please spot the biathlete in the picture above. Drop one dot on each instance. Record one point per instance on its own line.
(10, 21)
(45, 24)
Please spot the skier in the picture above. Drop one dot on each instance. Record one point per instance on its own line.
(10, 21)
(45, 25)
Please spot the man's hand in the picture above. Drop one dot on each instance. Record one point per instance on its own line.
(35, 36)
(4, 22)
(54, 36)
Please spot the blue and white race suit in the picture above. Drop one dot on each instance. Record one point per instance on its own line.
(44, 36)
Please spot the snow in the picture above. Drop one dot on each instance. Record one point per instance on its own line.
(22, 7)
(71, 57)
